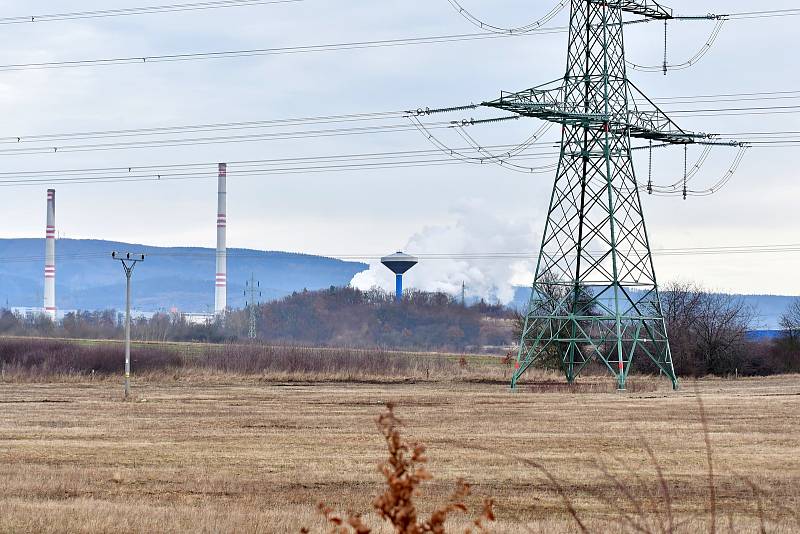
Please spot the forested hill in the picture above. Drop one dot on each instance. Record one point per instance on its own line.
(181, 277)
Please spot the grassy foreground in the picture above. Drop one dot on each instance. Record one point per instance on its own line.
(240, 454)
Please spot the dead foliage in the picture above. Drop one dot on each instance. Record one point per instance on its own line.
(404, 471)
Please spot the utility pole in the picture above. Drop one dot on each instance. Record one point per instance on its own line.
(252, 287)
(128, 261)
(463, 293)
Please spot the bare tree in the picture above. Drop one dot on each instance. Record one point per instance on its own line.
(790, 321)
(785, 351)
(708, 331)
(721, 330)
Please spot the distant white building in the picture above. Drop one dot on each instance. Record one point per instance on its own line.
(32, 312)
(198, 318)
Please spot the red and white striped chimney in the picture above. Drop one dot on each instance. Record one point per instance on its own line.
(221, 293)
(50, 257)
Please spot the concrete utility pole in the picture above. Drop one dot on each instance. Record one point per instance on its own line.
(128, 261)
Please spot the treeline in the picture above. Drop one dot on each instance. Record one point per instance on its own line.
(334, 317)
(708, 335)
(709, 332)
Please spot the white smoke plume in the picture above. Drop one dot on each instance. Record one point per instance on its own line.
(474, 231)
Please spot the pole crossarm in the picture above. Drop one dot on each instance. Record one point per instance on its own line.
(641, 121)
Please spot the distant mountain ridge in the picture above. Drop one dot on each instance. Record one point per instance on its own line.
(171, 277)
(183, 277)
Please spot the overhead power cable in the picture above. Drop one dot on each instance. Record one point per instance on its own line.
(463, 256)
(352, 117)
(693, 171)
(283, 166)
(475, 21)
(483, 155)
(685, 64)
(218, 139)
(354, 45)
(138, 138)
(764, 14)
(139, 10)
(675, 190)
(199, 128)
(227, 54)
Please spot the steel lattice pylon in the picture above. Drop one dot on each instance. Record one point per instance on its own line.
(595, 296)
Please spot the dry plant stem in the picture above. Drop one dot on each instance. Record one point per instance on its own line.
(404, 473)
(730, 524)
(757, 493)
(550, 478)
(712, 490)
(622, 488)
(561, 491)
(662, 481)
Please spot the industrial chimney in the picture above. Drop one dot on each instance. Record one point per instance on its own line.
(399, 263)
(221, 290)
(50, 257)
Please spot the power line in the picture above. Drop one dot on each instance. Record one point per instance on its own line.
(38, 145)
(352, 117)
(142, 10)
(526, 28)
(162, 130)
(765, 14)
(195, 56)
(195, 141)
(354, 45)
(210, 254)
(693, 60)
(473, 153)
(308, 169)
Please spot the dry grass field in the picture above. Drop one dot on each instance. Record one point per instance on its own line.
(240, 454)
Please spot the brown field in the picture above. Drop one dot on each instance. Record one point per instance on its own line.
(216, 453)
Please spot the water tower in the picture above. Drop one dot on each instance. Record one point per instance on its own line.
(399, 263)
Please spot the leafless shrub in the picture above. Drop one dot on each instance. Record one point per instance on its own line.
(45, 357)
(259, 359)
(32, 358)
(404, 472)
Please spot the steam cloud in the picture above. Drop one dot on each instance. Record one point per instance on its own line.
(474, 231)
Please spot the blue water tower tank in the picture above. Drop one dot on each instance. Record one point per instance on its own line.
(399, 263)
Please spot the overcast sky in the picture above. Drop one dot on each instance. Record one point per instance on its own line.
(432, 209)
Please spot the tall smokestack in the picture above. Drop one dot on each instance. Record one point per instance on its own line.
(50, 257)
(221, 294)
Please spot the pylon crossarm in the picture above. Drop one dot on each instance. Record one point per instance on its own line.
(548, 103)
(651, 124)
(645, 8)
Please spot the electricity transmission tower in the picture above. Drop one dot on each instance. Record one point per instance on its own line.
(252, 289)
(595, 296)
